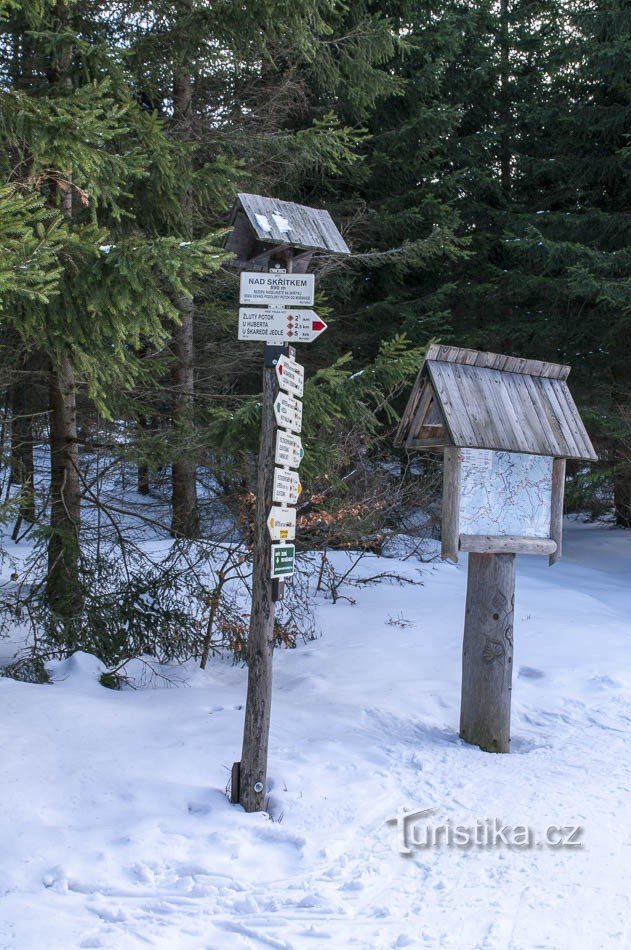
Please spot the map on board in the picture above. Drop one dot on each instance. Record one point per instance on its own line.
(505, 493)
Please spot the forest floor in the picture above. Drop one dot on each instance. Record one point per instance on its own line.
(116, 830)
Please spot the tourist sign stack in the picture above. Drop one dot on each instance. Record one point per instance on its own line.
(272, 316)
(281, 522)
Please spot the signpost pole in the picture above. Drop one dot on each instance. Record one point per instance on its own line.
(487, 652)
(249, 777)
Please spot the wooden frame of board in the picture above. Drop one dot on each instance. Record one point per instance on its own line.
(468, 399)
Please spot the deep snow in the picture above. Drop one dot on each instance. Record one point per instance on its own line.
(116, 831)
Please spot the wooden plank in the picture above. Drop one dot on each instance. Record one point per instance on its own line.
(530, 433)
(410, 410)
(549, 389)
(487, 652)
(471, 388)
(274, 221)
(532, 392)
(574, 422)
(511, 437)
(506, 544)
(556, 511)
(438, 442)
(453, 409)
(425, 397)
(450, 522)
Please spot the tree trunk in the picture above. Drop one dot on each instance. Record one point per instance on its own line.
(487, 652)
(622, 488)
(63, 587)
(22, 466)
(185, 516)
(63, 581)
(505, 100)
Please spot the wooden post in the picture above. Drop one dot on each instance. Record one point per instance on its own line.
(252, 770)
(450, 522)
(487, 654)
(556, 512)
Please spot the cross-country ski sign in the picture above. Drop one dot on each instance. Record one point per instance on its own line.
(279, 326)
(289, 450)
(287, 486)
(283, 560)
(280, 289)
(281, 523)
(290, 375)
(288, 412)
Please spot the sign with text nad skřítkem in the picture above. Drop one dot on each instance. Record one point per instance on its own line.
(280, 289)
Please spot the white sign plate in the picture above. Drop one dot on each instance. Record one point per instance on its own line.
(289, 450)
(279, 326)
(287, 486)
(281, 523)
(280, 289)
(288, 412)
(290, 375)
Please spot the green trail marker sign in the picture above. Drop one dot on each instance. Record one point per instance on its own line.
(283, 560)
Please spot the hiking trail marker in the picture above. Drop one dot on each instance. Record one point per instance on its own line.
(281, 523)
(289, 450)
(274, 242)
(280, 326)
(282, 290)
(290, 376)
(288, 412)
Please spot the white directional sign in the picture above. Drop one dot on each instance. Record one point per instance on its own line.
(288, 412)
(281, 523)
(279, 326)
(289, 450)
(287, 486)
(290, 375)
(284, 289)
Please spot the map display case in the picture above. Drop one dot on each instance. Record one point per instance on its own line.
(506, 426)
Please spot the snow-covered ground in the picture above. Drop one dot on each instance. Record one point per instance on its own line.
(116, 831)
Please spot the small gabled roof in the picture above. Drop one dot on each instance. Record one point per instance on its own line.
(472, 399)
(272, 221)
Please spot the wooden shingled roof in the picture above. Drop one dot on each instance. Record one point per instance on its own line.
(472, 399)
(270, 221)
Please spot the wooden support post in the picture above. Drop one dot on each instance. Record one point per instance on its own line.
(450, 523)
(487, 654)
(253, 771)
(556, 512)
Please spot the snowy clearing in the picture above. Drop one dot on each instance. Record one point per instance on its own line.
(117, 833)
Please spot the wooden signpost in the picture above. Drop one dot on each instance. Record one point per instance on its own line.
(267, 238)
(506, 427)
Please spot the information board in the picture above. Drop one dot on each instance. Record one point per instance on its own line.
(505, 493)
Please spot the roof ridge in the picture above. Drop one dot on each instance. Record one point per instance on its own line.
(441, 353)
